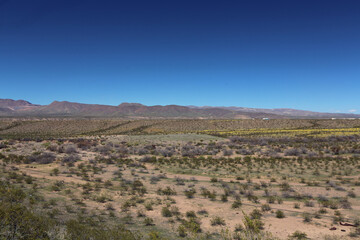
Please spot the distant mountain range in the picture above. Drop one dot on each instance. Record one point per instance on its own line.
(21, 108)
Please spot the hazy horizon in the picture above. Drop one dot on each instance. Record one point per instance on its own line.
(190, 106)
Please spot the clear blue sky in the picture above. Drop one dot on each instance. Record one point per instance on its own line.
(301, 54)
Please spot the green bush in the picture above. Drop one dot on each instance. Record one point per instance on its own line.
(298, 236)
(165, 212)
(18, 222)
(252, 225)
(236, 204)
(182, 231)
(217, 221)
(148, 221)
(280, 214)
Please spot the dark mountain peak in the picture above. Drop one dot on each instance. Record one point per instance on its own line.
(14, 103)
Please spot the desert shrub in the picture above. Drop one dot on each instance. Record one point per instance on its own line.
(174, 210)
(204, 192)
(140, 213)
(307, 217)
(109, 207)
(265, 207)
(179, 181)
(317, 215)
(55, 171)
(70, 159)
(108, 184)
(168, 191)
(344, 203)
(182, 231)
(154, 179)
(338, 217)
(52, 147)
(202, 212)
(252, 225)
(212, 195)
(271, 199)
(69, 149)
(215, 221)
(292, 152)
(192, 225)
(351, 194)
(29, 179)
(193, 179)
(85, 144)
(43, 158)
(355, 233)
(297, 235)
(138, 187)
(333, 204)
(165, 212)
(16, 220)
(3, 145)
(57, 186)
(213, 179)
(224, 198)
(148, 206)
(189, 193)
(280, 214)
(227, 152)
(236, 204)
(148, 159)
(256, 214)
(285, 186)
(308, 203)
(322, 211)
(103, 199)
(240, 178)
(252, 198)
(148, 221)
(166, 152)
(190, 214)
(239, 228)
(357, 222)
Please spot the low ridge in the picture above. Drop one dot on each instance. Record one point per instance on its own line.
(22, 108)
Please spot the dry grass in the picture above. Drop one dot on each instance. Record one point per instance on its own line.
(81, 127)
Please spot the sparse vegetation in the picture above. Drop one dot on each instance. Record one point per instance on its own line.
(187, 185)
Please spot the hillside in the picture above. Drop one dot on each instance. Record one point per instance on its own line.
(22, 108)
